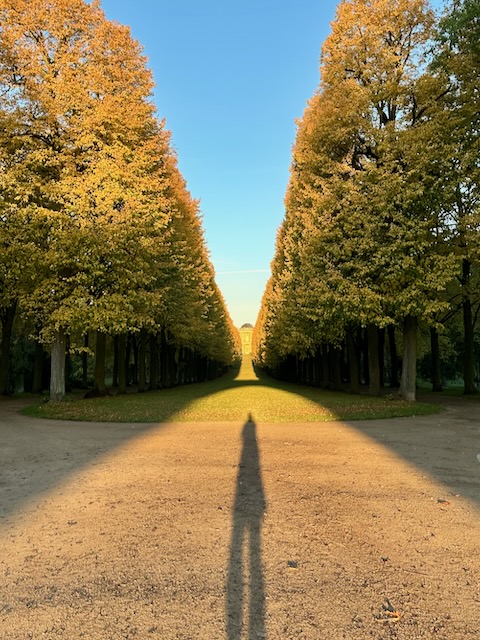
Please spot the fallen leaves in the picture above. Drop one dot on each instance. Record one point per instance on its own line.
(388, 613)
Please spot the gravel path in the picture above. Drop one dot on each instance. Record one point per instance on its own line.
(241, 531)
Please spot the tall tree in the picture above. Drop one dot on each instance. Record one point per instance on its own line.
(78, 91)
(458, 127)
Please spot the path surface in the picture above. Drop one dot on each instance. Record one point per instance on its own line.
(240, 531)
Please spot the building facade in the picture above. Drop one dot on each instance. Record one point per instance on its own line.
(246, 331)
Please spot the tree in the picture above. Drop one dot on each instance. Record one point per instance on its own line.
(458, 127)
(78, 92)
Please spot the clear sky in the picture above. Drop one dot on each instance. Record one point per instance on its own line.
(231, 78)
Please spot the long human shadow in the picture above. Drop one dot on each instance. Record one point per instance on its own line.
(245, 582)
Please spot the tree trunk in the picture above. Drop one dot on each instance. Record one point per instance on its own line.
(100, 387)
(153, 382)
(409, 362)
(134, 367)
(373, 361)
(468, 332)
(325, 368)
(336, 355)
(392, 345)
(381, 355)
(115, 362)
(142, 357)
(37, 384)
(469, 343)
(68, 365)
(57, 371)
(85, 363)
(365, 367)
(435, 352)
(122, 364)
(353, 364)
(7, 317)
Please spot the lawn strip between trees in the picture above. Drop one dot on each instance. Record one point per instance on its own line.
(230, 399)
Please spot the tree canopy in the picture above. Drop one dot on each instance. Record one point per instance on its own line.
(366, 242)
(100, 233)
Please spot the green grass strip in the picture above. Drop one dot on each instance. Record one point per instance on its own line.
(232, 398)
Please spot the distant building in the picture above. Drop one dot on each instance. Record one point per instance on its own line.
(246, 331)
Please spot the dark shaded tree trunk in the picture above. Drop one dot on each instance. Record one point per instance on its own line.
(336, 354)
(364, 344)
(317, 377)
(134, 366)
(38, 361)
(164, 373)
(435, 352)
(100, 388)
(57, 368)
(354, 365)
(469, 345)
(68, 365)
(85, 362)
(409, 361)
(392, 346)
(153, 364)
(468, 332)
(7, 318)
(325, 368)
(142, 360)
(373, 361)
(381, 355)
(122, 364)
(115, 362)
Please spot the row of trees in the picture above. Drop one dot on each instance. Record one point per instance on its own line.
(381, 230)
(99, 236)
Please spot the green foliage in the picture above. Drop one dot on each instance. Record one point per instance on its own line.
(373, 206)
(98, 229)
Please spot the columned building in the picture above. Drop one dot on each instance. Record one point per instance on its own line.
(246, 331)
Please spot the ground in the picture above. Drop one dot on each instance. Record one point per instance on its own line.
(361, 530)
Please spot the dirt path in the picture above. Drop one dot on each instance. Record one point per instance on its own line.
(241, 531)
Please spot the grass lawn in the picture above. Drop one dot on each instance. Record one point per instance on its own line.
(233, 397)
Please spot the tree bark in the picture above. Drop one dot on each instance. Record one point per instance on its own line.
(142, 357)
(469, 345)
(85, 363)
(100, 387)
(392, 345)
(57, 371)
(134, 367)
(153, 382)
(325, 368)
(381, 355)
(409, 362)
(365, 365)
(336, 355)
(115, 362)
(122, 364)
(468, 332)
(373, 361)
(68, 364)
(435, 353)
(7, 317)
(353, 364)
(37, 384)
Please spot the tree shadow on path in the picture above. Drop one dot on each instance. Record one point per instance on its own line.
(245, 572)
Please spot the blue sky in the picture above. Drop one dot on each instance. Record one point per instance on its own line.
(231, 78)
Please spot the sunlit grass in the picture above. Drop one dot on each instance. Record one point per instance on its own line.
(231, 399)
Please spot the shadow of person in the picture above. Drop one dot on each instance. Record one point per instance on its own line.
(245, 565)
